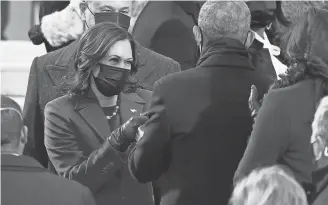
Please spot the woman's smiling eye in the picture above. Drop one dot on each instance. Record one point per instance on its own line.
(114, 60)
(128, 62)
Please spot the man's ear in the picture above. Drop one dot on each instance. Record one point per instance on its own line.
(249, 39)
(24, 132)
(197, 34)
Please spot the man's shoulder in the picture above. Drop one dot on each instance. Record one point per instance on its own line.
(157, 59)
(176, 79)
(65, 187)
(60, 56)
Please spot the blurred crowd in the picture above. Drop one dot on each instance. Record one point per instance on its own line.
(171, 103)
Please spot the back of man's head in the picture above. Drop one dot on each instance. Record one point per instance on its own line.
(11, 125)
(230, 19)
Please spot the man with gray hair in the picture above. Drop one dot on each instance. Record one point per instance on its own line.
(199, 120)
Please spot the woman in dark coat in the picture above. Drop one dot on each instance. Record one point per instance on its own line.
(282, 130)
(78, 125)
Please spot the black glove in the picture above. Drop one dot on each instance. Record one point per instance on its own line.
(122, 137)
(254, 104)
(36, 35)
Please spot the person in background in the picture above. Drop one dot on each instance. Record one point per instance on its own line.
(264, 54)
(23, 179)
(46, 72)
(166, 28)
(268, 186)
(37, 32)
(282, 129)
(319, 141)
(199, 120)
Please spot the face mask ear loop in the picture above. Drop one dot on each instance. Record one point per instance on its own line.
(90, 12)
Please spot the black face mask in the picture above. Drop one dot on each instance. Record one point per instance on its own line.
(111, 80)
(262, 19)
(115, 17)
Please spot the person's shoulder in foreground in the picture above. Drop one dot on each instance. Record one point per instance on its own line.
(24, 180)
(36, 185)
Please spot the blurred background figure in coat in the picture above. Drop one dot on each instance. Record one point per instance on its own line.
(265, 55)
(268, 186)
(166, 28)
(319, 141)
(37, 32)
(282, 129)
(23, 179)
(199, 121)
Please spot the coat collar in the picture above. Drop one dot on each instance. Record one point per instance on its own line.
(22, 163)
(88, 107)
(226, 52)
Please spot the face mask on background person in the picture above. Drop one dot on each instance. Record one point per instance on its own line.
(119, 18)
(116, 17)
(111, 80)
(262, 19)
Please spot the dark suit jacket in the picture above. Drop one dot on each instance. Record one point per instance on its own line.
(198, 128)
(282, 132)
(166, 28)
(261, 60)
(25, 182)
(75, 129)
(45, 80)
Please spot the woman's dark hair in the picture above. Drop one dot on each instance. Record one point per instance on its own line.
(92, 47)
(307, 45)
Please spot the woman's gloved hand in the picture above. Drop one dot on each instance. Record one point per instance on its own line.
(122, 137)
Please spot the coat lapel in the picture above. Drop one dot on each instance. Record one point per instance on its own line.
(131, 105)
(94, 116)
(64, 64)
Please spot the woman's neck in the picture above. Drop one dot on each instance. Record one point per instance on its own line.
(103, 100)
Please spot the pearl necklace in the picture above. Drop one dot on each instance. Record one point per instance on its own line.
(117, 107)
(114, 113)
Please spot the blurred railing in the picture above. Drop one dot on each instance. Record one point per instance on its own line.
(15, 60)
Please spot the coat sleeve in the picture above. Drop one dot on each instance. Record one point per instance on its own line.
(269, 138)
(66, 154)
(173, 39)
(33, 118)
(151, 156)
(87, 198)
